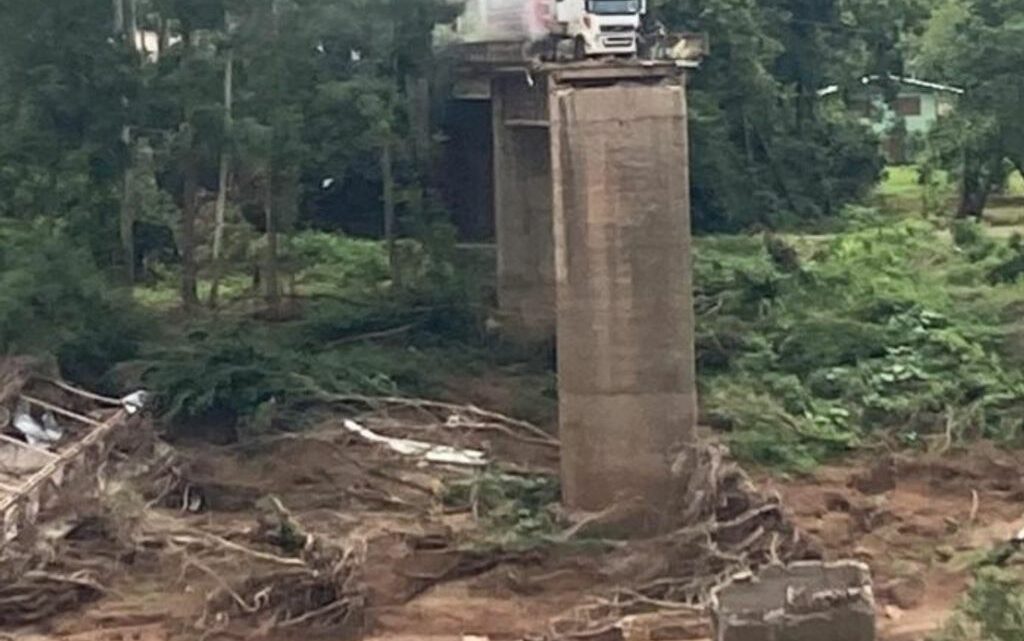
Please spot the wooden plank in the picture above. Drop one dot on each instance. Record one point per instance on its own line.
(106, 400)
(61, 411)
(26, 446)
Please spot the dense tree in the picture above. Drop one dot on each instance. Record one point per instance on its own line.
(766, 149)
(976, 44)
(62, 112)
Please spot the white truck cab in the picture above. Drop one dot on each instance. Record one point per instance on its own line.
(600, 27)
(576, 28)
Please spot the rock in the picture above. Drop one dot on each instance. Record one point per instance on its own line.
(923, 529)
(837, 528)
(945, 553)
(873, 515)
(836, 502)
(908, 593)
(881, 478)
(893, 613)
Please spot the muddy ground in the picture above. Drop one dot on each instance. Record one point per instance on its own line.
(427, 571)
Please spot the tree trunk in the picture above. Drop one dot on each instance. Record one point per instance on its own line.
(164, 38)
(271, 275)
(222, 182)
(388, 188)
(974, 192)
(972, 204)
(189, 269)
(128, 209)
(125, 26)
(119, 26)
(417, 91)
(131, 16)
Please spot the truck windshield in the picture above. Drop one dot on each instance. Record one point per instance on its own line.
(613, 7)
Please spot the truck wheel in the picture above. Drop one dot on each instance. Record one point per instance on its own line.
(579, 48)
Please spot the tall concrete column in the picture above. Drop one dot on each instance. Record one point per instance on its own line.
(522, 194)
(627, 395)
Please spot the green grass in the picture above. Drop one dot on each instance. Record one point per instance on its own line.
(165, 294)
(1016, 186)
(903, 192)
(901, 180)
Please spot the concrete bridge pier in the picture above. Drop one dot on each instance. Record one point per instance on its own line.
(592, 207)
(522, 207)
(627, 389)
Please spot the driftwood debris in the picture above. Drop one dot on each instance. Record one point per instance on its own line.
(725, 526)
(33, 477)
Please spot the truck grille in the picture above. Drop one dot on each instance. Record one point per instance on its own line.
(616, 28)
(619, 42)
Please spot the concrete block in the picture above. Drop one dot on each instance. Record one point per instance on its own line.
(807, 601)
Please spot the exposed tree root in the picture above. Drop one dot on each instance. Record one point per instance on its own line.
(724, 526)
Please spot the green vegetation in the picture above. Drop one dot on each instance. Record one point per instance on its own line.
(349, 332)
(54, 299)
(516, 512)
(975, 44)
(202, 172)
(767, 151)
(892, 332)
(993, 609)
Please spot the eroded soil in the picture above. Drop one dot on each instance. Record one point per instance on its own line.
(917, 520)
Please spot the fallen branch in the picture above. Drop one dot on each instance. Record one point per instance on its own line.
(106, 400)
(222, 585)
(371, 336)
(330, 608)
(61, 411)
(377, 402)
(187, 539)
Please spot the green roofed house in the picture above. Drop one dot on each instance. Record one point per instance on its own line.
(905, 118)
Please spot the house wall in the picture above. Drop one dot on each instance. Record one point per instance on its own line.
(884, 117)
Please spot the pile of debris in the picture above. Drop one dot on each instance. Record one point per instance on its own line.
(726, 528)
(81, 480)
(96, 498)
(54, 442)
(53, 439)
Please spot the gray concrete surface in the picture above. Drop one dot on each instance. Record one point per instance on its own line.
(593, 234)
(807, 601)
(625, 307)
(522, 208)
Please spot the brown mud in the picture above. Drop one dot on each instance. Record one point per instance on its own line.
(917, 520)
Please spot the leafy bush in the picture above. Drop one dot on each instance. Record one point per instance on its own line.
(241, 376)
(515, 510)
(992, 611)
(333, 262)
(53, 299)
(892, 330)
